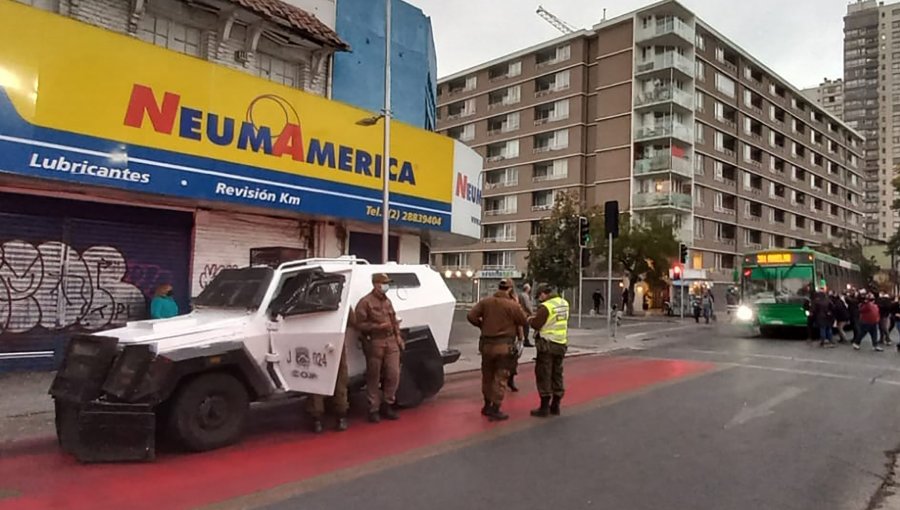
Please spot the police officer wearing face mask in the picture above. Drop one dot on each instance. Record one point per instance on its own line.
(375, 318)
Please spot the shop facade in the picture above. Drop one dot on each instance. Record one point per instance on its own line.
(168, 172)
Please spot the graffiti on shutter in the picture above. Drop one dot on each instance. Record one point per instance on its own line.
(51, 285)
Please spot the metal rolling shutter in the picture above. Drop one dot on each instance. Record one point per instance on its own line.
(223, 240)
(68, 266)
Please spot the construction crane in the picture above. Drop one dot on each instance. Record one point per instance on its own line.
(557, 23)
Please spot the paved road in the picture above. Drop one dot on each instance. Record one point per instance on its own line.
(702, 417)
(776, 425)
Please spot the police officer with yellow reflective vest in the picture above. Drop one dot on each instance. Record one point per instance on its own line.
(551, 320)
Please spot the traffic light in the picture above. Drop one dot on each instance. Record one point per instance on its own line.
(585, 258)
(584, 231)
(683, 253)
(676, 272)
(611, 218)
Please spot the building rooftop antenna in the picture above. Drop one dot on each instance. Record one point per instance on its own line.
(557, 23)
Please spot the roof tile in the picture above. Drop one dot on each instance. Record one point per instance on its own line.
(295, 18)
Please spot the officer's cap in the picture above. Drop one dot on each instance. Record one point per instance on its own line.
(380, 278)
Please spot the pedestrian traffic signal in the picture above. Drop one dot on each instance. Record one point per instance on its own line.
(584, 231)
(676, 272)
(683, 251)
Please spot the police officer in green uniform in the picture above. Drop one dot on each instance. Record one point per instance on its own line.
(551, 320)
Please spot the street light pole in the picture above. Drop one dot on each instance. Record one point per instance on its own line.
(386, 162)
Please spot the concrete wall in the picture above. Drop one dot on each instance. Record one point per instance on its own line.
(358, 77)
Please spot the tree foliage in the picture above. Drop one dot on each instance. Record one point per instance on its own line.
(644, 249)
(553, 254)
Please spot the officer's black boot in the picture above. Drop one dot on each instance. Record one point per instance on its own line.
(486, 410)
(544, 410)
(387, 410)
(495, 414)
(511, 383)
(317, 427)
(342, 424)
(554, 405)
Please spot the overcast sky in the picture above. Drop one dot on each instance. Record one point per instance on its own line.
(801, 40)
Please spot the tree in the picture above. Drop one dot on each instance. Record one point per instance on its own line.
(553, 254)
(643, 250)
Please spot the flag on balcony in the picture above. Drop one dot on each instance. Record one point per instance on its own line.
(677, 152)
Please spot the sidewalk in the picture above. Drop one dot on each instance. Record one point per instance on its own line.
(584, 341)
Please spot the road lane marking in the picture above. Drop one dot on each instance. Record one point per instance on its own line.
(748, 413)
(816, 373)
(790, 358)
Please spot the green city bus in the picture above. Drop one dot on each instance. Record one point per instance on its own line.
(777, 284)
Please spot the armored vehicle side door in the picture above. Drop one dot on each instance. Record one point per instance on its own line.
(309, 321)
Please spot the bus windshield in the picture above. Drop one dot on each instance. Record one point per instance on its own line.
(778, 284)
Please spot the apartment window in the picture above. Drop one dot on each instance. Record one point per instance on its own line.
(699, 162)
(501, 178)
(700, 135)
(499, 259)
(552, 56)
(500, 233)
(461, 109)
(701, 71)
(278, 70)
(552, 112)
(551, 170)
(701, 101)
(701, 42)
(560, 140)
(698, 228)
(543, 200)
(453, 260)
(698, 196)
(725, 85)
(495, 206)
(464, 133)
(169, 34)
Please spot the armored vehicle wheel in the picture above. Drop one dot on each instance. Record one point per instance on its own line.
(209, 412)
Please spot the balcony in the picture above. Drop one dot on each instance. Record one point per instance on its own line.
(663, 95)
(499, 239)
(670, 129)
(541, 207)
(499, 212)
(508, 183)
(681, 166)
(661, 64)
(662, 200)
(671, 32)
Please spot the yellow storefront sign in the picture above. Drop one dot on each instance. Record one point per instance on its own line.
(65, 77)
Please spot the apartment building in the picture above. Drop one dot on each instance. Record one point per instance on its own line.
(659, 111)
(829, 95)
(872, 104)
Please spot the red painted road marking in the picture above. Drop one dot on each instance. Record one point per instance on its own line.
(44, 479)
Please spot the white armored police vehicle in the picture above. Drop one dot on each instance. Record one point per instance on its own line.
(255, 334)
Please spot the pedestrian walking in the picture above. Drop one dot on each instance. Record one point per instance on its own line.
(523, 299)
(869, 319)
(841, 316)
(527, 303)
(884, 317)
(339, 401)
(707, 302)
(375, 318)
(163, 305)
(696, 308)
(823, 318)
(597, 298)
(501, 321)
(552, 320)
(853, 302)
